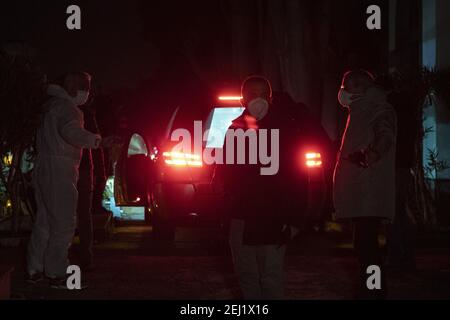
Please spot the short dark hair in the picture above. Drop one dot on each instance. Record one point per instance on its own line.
(357, 79)
(257, 79)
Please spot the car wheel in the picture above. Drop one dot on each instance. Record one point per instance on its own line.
(163, 230)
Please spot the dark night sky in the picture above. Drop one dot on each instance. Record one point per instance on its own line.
(110, 44)
(138, 44)
(120, 41)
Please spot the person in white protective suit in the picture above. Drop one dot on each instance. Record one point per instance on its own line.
(59, 142)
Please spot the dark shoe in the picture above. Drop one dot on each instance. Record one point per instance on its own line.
(366, 294)
(34, 278)
(61, 284)
(58, 283)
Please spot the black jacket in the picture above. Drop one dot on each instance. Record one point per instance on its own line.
(267, 202)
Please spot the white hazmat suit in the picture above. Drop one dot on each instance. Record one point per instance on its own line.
(59, 141)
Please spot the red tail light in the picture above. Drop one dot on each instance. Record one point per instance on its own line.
(181, 159)
(230, 98)
(313, 160)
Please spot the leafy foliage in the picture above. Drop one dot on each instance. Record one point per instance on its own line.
(22, 93)
(422, 87)
(434, 165)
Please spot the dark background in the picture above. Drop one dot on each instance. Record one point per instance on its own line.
(152, 55)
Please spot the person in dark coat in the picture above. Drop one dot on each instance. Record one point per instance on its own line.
(91, 183)
(265, 211)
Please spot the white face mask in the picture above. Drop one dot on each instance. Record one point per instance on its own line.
(81, 97)
(345, 98)
(258, 108)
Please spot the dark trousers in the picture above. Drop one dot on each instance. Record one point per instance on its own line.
(402, 230)
(84, 212)
(367, 250)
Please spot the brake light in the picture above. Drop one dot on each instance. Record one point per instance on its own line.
(182, 159)
(230, 98)
(313, 160)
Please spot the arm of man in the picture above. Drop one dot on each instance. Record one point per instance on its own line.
(70, 127)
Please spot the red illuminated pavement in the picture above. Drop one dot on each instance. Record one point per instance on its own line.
(131, 265)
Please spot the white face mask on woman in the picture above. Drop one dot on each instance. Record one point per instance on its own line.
(258, 108)
(346, 98)
(81, 97)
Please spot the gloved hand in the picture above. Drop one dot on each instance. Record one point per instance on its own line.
(359, 158)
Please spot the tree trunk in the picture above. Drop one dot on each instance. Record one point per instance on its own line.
(426, 210)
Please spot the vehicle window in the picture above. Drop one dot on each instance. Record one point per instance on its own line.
(218, 122)
(184, 117)
(170, 124)
(137, 146)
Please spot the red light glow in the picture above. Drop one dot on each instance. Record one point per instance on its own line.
(230, 98)
(313, 160)
(182, 159)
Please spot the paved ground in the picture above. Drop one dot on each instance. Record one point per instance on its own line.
(131, 265)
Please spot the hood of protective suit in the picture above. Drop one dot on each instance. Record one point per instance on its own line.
(61, 132)
(55, 90)
(80, 99)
